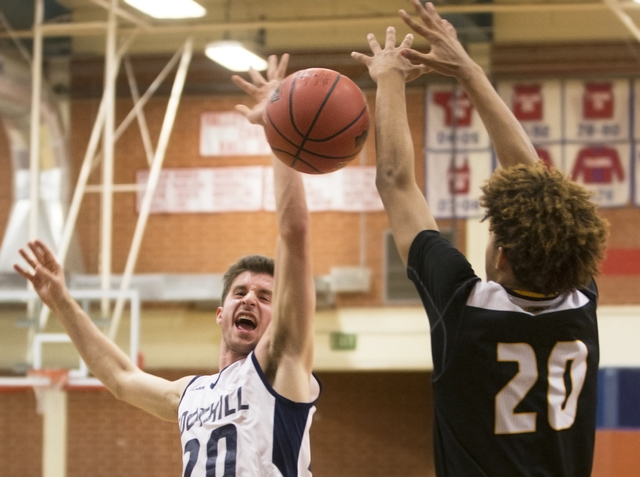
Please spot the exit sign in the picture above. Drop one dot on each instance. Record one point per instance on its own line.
(342, 341)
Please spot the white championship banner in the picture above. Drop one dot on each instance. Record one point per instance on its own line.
(582, 127)
(228, 133)
(537, 105)
(250, 188)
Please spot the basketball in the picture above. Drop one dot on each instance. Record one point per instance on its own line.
(317, 121)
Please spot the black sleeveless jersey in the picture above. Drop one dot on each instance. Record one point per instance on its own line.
(515, 376)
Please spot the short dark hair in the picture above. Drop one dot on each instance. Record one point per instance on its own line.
(248, 263)
(547, 226)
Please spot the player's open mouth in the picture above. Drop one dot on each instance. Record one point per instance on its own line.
(245, 323)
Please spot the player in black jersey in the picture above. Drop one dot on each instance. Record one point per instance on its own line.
(516, 357)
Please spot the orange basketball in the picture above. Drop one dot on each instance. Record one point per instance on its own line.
(317, 121)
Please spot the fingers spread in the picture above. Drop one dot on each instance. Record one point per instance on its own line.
(407, 42)
(242, 109)
(244, 85)
(44, 251)
(390, 41)
(360, 57)
(281, 70)
(411, 23)
(32, 263)
(257, 78)
(417, 57)
(373, 43)
(22, 271)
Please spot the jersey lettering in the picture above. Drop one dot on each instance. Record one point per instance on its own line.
(224, 406)
(227, 435)
(566, 358)
(563, 403)
(507, 420)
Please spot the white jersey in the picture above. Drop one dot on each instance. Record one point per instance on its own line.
(234, 424)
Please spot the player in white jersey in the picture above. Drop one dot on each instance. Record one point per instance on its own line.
(252, 419)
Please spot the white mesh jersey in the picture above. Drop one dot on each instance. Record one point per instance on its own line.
(234, 424)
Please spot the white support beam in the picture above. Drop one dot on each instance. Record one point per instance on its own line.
(142, 121)
(627, 21)
(108, 143)
(34, 143)
(53, 406)
(140, 104)
(154, 176)
(125, 15)
(16, 41)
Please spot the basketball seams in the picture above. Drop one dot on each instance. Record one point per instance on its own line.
(329, 138)
(320, 103)
(315, 119)
(302, 150)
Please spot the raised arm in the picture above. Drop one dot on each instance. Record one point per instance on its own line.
(448, 57)
(404, 203)
(106, 361)
(285, 352)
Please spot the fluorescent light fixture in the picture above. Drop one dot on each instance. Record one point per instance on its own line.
(233, 56)
(168, 8)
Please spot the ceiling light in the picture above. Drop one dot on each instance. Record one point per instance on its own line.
(168, 8)
(233, 56)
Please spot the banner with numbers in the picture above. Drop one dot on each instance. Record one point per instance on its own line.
(458, 153)
(583, 128)
(537, 105)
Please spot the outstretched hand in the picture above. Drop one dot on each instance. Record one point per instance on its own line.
(447, 55)
(48, 275)
(388, 58)
(260, 89)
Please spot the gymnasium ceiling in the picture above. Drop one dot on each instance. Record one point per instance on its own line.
(316, 32)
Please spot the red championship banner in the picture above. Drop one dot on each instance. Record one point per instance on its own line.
(602, 168)
(454, 183)
(452, 121)
(537, 105)
(597, 110)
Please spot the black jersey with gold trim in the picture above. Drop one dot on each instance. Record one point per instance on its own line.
(515, 374)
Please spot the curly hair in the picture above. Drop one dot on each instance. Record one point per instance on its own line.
(547, 226)
(248, 263)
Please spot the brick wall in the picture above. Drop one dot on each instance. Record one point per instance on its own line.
(367, 424)
(192, 243)
(208, 243)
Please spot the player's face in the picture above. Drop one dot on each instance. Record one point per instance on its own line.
(246, 312)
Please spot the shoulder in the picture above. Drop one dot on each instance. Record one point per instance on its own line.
(425, 242)
(288, 391)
